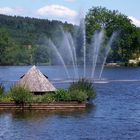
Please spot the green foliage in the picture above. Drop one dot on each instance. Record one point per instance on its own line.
(5, 43)
(37, 98)
(101, 18)
(5, 98)
(21, 95)
(41, 54)
(78, 95)
(128, 41)
(48, 98)
(62, 95)
(80, 91)
(85, 86)
(22, 40)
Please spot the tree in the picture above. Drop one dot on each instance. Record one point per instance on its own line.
(5, 42)
(17, 34)
(111, 21)
(41, 54)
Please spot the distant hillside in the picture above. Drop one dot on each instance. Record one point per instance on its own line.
(26, 29)
(22, 38)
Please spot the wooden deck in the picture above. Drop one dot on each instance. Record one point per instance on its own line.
(43, 106)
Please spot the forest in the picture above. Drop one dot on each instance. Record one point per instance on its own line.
(22, 39)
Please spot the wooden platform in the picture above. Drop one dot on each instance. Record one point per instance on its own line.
(43, 106)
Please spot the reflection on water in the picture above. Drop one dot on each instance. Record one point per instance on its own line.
(36, 125)
(41, 114)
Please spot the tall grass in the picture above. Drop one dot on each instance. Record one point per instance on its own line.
(84, 86)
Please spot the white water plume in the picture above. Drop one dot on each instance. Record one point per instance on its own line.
(74, 54)
(84, 45)
(97, 42)
(67, 50)
(51, 44)
(106, 52)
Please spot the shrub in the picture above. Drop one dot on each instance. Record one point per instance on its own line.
(1, 89)
(85, 86)
(78, 95)
(48, 98)
(62, 95)
(5, 98)
(37, 98)
(21, 95)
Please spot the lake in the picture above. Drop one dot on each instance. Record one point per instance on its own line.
(115, 114)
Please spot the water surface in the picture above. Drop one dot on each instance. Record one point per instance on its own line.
(115, 114)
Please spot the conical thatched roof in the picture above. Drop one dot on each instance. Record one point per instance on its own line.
(35, 81)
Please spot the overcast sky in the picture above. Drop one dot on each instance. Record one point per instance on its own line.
(67, 10)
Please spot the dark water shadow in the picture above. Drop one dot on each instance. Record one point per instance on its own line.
(40, 114)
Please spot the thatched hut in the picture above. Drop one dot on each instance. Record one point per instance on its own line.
(36, 82)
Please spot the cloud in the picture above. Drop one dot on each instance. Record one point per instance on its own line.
(57, 12)
(6, 10)
(11, 11)
(135, 21)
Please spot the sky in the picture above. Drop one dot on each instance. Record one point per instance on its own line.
(68, 10)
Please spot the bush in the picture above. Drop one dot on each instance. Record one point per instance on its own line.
(1, 89)
(21, 95)
(48, 98)
(37, 98)
(78, 95)
(85, 86)
(62, 95)
(5, 98)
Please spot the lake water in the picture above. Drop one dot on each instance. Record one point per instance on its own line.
(115, 114)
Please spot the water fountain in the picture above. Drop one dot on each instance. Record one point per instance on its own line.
(65, 49)
(95, 47)
(51, 44)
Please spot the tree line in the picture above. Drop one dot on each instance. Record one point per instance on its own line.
(22, 39)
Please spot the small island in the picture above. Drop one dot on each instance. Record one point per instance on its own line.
(35, 92)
